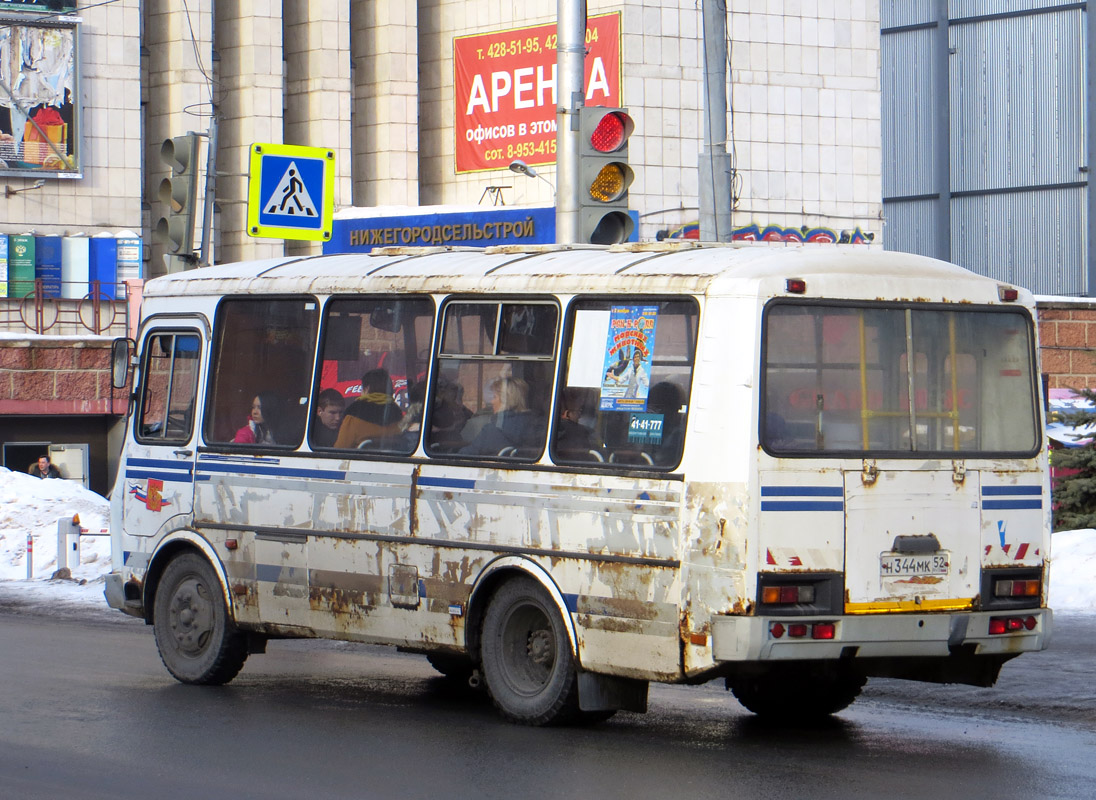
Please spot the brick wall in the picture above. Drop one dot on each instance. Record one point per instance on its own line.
(57, 376)
(1067, 343)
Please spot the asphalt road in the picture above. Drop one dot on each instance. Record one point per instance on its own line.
(88, 711)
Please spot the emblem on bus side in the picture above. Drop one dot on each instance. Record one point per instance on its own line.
(152, 496)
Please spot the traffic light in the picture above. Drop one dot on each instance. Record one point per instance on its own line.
(604, 175)
(179, 193)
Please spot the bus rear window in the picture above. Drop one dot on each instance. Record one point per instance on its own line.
(839, 380)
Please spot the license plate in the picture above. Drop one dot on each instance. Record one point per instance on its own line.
(898, 566)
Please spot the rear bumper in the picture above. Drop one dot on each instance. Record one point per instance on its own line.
(746, 639)
(115, 593)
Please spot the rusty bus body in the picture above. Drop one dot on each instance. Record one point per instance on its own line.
(762, 490)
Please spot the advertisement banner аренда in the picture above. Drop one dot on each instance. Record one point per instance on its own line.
(506, 91)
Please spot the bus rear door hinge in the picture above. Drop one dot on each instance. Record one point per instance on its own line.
(869, 472)
(958, 471)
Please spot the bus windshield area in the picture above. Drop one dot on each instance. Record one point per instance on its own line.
(837, 379)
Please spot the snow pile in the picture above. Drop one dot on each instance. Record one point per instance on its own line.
(1072, 566)
(29, 505)
(32, 506)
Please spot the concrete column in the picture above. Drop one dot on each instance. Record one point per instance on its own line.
(178, 92)
(316, 39)
(384, 48)
(250, 101)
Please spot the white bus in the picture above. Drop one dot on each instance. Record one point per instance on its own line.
(568, 472)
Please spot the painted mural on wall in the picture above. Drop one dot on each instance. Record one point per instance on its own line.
(38, 106)
(776, 233)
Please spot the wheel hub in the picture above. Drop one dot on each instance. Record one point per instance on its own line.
(191, 616)
(540, 647)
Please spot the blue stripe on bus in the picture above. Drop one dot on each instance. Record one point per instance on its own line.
(159, 463)
(1011, 490)
(448, 483)
(281, 472)
(175, 477)
(1011, 504)
(802, 491)
(802, 505)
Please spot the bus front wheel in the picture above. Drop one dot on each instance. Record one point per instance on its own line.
(526, 656)
(198, 643)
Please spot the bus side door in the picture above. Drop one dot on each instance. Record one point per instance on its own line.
(159, 455)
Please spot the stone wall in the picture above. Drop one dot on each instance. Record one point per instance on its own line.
(1067, 343)
(58, 376)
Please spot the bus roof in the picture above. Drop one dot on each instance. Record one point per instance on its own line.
(844, 271)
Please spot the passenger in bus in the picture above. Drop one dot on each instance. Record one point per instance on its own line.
(374, 415)
(511, 423)
(267, 413)
(573, 439)
(449, 415)
(329, 414)
(667, 399)
(411, 424)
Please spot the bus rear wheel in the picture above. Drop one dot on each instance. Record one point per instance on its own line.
(797, 695)
(526, 656)
(197, 640)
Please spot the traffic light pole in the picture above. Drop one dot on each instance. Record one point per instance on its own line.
(715, 162)
(210, 191)
(570, 73)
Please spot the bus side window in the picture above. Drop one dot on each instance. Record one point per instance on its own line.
(374, 357)
(625, 395)
(263, 351)
(494, 374)
(170, 386)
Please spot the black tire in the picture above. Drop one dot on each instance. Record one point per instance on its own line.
(526, 657)
(797, 695)
(198, 643)
(458, 669)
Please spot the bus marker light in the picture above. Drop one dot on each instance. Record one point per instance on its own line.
(823, 630)
(699, 639)
(999, 625)
(777, 630)
(231, 544)
(795, 286)
(1007, 294)
(797, 630)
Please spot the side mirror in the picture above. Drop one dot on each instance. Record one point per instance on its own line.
(119, 362)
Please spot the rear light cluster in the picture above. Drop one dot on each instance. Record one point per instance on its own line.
(787, 595)
(801, 630)
(999, 625)
(1029, 588)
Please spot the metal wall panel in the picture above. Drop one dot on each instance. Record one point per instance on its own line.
(907, 113)
(910, 225)
(959, 9)
(893, 13)
(1031, 239)
(1017, 101)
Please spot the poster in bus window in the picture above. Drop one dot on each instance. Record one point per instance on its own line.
(626, 377)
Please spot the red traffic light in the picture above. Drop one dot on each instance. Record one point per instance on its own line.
(612, 132)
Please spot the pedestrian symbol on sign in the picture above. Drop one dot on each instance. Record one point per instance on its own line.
(290, 197)
(290, 191)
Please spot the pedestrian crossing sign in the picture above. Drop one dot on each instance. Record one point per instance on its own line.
(291, 192)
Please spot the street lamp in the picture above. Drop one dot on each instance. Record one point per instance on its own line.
(521, 168)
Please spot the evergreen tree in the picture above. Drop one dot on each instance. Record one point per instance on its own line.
(1074, 488)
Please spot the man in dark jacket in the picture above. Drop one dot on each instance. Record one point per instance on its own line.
(42, 468)
(374, 415)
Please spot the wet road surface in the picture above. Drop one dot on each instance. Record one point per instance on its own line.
(88, 711)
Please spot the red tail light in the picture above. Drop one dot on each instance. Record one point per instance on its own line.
(1000, 625)
(787, 594)
(823, 630)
